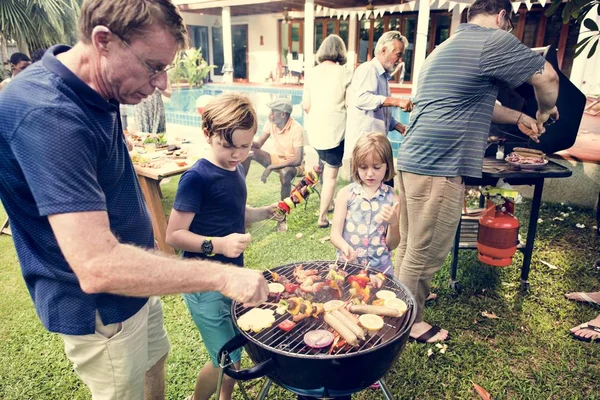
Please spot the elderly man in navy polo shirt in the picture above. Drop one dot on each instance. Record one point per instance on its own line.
(81, 228)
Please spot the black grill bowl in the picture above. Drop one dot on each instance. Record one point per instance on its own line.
(283, 358)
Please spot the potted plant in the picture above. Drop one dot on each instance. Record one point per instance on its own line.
(190, 67)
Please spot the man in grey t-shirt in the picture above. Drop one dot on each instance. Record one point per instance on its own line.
(446, 139)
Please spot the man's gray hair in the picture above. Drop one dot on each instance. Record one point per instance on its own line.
(387, 40)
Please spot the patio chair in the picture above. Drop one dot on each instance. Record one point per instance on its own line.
(5, 230)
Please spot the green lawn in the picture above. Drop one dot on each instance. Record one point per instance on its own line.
(526, 354)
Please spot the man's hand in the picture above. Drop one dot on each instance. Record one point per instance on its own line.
(389, 213)
(232, 245)
(348, 254)
(405, 104)
(245, 286)
(265, 175)
(543, 116)
(530, 127)
(400, 127)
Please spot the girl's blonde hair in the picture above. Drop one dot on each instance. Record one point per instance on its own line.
(378, 146)
(228, 112)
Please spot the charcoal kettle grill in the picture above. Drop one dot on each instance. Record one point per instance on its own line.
(284, 359)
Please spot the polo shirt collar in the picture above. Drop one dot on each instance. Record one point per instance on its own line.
(86, 93)
(285, 127)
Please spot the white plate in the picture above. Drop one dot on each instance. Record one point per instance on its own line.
(528, 166)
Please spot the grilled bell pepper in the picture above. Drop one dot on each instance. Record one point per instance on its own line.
(291, 287)
(286, 325)
(362, 280)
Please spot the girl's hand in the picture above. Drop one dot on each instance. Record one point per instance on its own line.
(348, 253)
(389, 213)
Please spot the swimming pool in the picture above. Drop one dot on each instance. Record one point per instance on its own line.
(181, 108)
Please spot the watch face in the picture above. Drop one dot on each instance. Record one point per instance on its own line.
(207, 247)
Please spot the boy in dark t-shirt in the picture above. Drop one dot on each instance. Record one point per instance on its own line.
(209, 219)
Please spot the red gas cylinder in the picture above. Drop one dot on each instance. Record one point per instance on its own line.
(498, 234)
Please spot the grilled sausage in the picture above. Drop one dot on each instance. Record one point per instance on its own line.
(357, 330)
(377, 310)
(340, 328)
(348, 314)
(526, 150)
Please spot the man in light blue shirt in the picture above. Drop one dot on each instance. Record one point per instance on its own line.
(369, 98)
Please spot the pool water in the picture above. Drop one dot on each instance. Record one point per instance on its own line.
(181, 108)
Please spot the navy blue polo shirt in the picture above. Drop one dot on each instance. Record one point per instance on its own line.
(218, 198)
(63, 151)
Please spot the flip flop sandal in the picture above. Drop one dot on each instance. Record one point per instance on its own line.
(327, 225)
(428, 335)
(586, 326)
(585, 298)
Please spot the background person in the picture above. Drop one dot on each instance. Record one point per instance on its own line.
(369, 96)
(209, 220)
(149, 114)
(324, 101)
(79, 222)
(287, 156)
(18, 62)
(448, 133)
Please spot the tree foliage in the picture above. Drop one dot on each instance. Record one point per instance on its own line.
(578, 10)
(39, 23)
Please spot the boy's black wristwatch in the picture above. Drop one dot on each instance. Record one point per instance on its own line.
(207, 247)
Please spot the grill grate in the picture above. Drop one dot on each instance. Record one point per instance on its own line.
(293, 342)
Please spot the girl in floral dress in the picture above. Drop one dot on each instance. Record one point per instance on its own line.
(365, 225)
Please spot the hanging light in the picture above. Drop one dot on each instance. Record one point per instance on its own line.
(286, 16)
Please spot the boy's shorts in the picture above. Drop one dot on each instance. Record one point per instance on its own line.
(211, 312)
(113, 361)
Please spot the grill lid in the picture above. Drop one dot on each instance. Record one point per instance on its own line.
(571, 103)
(292, 342)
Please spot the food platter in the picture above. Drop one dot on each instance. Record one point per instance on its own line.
(528, 166)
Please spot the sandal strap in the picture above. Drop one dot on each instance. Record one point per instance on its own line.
(429, 334)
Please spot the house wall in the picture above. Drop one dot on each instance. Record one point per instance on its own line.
(262, 59)
(204, 20)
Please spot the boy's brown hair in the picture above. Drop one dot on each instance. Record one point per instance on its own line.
(131, 18)
(228, 112)
(377, 145)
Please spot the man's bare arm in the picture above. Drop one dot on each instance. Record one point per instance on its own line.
(545, 85)
(103, 265)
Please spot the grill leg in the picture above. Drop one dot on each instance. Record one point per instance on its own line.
(386, 390)
(454, 264)
(264, 390)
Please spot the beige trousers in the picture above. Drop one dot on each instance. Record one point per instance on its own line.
(430, 209)
(113, 361)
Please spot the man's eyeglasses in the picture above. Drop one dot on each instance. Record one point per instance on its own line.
(512, 27)
(154, 72)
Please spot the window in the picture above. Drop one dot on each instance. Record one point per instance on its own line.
(217, 43)
(199, 39)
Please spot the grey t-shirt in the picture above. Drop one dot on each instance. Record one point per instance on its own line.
(458, 86)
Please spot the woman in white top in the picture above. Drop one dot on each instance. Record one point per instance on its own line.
(324, 102)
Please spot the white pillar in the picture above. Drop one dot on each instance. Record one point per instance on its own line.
(581, 64)
(352, 28)
(227, 46)
(422, 42)
(456, 15)
(309, 34)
